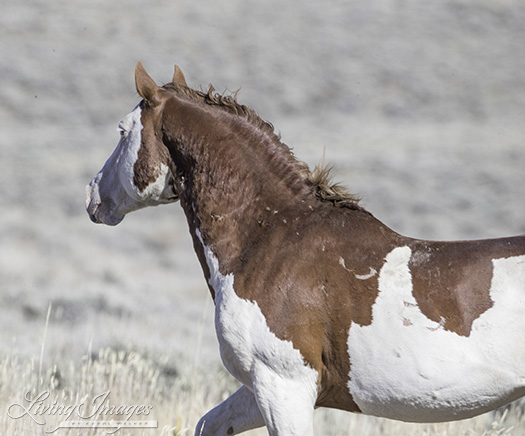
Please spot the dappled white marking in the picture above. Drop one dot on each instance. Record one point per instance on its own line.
(371, 274)
(342, 263)
(284, 386)
(406, 366)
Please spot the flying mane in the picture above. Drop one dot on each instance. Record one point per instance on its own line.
(320, 178)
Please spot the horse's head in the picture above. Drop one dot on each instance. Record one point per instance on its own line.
(138, 173)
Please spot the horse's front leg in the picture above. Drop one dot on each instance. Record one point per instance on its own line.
(286, 401)
(236, 414)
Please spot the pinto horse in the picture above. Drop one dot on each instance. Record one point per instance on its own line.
(317, 303)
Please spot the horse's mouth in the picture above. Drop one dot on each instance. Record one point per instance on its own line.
(92, 205)
(99, 212)
(107, 219)
(93, 212)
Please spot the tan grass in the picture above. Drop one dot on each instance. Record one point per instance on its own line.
(178, 401)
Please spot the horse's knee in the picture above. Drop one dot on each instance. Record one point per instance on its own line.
(236, 414)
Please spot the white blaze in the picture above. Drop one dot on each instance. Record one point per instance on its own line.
(112, 193)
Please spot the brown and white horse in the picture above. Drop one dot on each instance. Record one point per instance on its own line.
(317, 303)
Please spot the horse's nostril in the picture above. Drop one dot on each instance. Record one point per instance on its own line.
(92, 209)
(93, 218)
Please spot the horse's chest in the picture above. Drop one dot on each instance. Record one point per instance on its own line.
(240, 328)
(247, 342)
(248, 347)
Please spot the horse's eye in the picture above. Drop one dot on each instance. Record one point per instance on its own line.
(122, 132)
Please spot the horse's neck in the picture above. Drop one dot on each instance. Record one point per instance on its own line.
(235, 178)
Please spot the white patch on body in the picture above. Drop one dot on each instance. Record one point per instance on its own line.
(284, 386)
(342, 263)
(408, 367)
(371, 274)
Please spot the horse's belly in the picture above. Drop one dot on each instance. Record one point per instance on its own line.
(435, 383)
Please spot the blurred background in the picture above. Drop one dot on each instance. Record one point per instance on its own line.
(419, 105)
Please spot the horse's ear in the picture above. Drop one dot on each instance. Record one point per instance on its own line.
(146, 86)
(178, 76)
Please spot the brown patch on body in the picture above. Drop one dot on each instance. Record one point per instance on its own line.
(451, 280)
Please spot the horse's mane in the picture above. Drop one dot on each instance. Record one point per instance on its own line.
(320, 178)
(326, 190)
(227, 103)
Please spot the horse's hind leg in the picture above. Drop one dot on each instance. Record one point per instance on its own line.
(236, 414)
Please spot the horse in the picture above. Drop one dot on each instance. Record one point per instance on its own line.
(317, 303)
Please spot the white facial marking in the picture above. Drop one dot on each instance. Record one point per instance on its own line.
(406, 366)
(271, 367)
(130, 142)
(113, 193)
(156, 189)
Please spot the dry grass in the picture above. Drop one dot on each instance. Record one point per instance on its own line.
(131, 378)
(177, 401)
